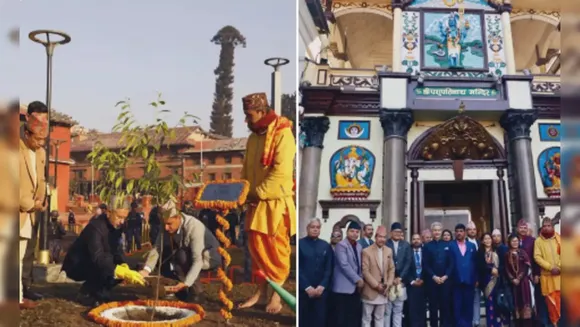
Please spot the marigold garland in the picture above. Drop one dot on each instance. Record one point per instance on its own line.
(224, 207)
(95, 314)
(226, 282)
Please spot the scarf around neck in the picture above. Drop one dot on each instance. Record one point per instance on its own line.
(271, 125)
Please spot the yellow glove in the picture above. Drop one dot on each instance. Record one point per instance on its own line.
(123, 272)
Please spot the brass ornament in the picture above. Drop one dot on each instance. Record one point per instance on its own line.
(460, 138)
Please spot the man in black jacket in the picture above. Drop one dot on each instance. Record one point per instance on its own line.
(95, 258)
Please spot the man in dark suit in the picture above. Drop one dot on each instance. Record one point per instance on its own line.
(403, 263)
(438, 265)
(416, 290)
(464, 277)
(366, 238)
(471, 231)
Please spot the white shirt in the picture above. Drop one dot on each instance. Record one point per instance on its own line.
(396, 247)
(380, 259)
(474, 241)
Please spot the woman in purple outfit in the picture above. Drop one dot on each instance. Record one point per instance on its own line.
(518, 272)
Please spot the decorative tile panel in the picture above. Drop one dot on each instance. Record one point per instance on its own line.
(495, 44)
(411, 51)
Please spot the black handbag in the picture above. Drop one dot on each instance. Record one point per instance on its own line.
(504, 300)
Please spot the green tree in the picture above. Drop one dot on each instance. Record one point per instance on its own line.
(221, 115)
(142, 145)
(289, 109)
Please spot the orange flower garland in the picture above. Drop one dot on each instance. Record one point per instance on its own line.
(224, 207)
(95, 314)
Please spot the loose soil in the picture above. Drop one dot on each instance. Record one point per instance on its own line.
(60, 309)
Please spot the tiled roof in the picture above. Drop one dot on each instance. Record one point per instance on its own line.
(111, 140)
(234, 144)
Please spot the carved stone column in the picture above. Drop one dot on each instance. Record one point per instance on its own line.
(396, 124)
(415, 208)
(314, 129)
(517, 123)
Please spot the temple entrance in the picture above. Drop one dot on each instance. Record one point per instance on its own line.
(451, 203)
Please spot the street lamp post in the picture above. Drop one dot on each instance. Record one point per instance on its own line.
(276, 63)
(43, 254)
(56, 144)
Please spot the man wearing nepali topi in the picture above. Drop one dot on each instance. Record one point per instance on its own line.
(268, 167)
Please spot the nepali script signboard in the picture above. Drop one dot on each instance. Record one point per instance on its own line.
(454, 92)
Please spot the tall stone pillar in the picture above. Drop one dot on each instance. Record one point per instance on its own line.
(397, 36)
(517, 123)
(314, 129)
(396, 124)
(508, 40)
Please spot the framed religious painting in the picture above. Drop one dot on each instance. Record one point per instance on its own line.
(354, 130)
(453, 41)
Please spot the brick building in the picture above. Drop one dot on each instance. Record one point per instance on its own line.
(222, 158)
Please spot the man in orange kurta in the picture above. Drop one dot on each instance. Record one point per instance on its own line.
(547, 250)
(271, 214)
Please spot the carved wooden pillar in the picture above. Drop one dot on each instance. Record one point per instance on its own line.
(415, 202)
(503, 209)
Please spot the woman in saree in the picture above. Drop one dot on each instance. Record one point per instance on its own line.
(488, 272)
(518, 269)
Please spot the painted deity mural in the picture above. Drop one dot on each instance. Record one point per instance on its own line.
(453, 40)
(549, 168)
(351, 172)
(467, 4)
(354, 130)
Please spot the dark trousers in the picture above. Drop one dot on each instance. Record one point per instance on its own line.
(28, 259)
(153, 234)
(439, 304)
(133, 234)
(345, 310)
(182, 262)
(55, 248)
(463, 296)
(98, 285)
(417, 310)
(541, 307)
(312, 311)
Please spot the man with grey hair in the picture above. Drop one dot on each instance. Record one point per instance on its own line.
(191, 248)
(315, 258)
(438, 265)
(471, 230)
(426, 236)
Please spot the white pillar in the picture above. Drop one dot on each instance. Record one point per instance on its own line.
(397, 40)
(508, 42)
(277, 91)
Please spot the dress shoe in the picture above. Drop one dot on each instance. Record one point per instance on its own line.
(27, 304)
(28, 294)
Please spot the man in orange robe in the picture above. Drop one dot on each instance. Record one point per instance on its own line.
(547, 250)
(271, 214)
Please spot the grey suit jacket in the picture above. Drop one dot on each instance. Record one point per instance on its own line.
(198, 239)
(346, 269)
(403, 260)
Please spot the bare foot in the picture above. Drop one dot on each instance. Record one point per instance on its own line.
(275, 304)
(251, 301)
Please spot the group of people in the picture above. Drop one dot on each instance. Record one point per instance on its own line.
(387, 281)
(185, 244)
